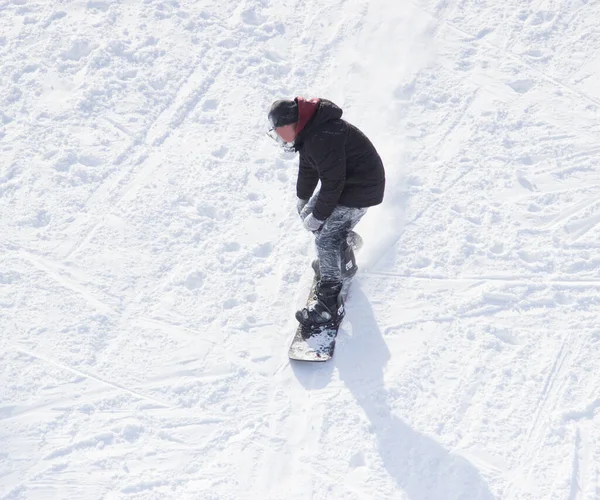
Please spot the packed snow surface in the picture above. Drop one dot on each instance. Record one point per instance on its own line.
(151, 259)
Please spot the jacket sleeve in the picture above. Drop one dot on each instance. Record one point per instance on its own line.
(330, 155)
(308, 178)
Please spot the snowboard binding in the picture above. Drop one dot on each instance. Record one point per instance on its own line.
(325, 311)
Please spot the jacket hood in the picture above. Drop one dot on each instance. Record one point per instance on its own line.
(306, 111)
(312, 114)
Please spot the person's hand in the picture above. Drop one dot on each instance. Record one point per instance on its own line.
(312, 224)
(300, 204)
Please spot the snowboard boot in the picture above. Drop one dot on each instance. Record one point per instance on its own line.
(349, 268)
(326, 307)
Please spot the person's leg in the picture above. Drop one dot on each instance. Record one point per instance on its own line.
(332, 245)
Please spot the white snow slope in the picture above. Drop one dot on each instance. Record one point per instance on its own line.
(151, 258)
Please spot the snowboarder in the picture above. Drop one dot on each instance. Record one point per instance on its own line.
(352, 178)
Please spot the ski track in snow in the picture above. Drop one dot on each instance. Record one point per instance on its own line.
(151, 259)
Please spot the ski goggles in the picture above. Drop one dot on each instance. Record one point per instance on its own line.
(287, 146)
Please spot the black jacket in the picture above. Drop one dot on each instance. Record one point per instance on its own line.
(342, 158)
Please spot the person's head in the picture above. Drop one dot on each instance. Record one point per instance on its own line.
(283, 117)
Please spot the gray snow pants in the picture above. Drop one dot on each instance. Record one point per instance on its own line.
(330, 240)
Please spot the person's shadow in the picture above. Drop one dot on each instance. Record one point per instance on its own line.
(419, 465)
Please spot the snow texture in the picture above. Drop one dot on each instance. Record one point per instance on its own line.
(151, 257)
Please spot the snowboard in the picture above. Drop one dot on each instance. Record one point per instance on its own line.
(318, 343)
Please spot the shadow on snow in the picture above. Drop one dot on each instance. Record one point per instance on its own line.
(419, 465)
